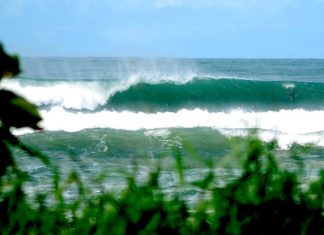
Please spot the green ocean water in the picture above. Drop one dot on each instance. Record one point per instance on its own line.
(102, 114)
(218, 95)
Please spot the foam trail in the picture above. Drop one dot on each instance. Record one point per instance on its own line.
(287, 121)
(289, 125)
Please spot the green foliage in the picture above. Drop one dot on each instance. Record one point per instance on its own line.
(264, 199)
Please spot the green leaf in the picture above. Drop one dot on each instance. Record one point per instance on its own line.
(6, 158)
(205, 182)
(16, 111)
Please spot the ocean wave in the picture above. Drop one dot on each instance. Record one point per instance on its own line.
(82, 94)
(156, 93)
(287, 121)
(218, 95)
(287, 126)
(79, 95)
(90, 143)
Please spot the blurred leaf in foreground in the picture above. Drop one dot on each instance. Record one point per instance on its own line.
(9, 65)
(16, 111)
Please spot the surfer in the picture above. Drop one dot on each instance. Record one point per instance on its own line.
(292, 92)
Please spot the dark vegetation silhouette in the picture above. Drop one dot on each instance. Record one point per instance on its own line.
(264, 199)
(15, 111)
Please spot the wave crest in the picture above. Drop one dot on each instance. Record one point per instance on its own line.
(288, 126)
(146, 93)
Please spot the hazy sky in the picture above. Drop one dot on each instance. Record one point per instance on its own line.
(164, 28)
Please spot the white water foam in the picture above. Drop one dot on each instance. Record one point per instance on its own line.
(287, 126)
(85, 94)
(74, 95)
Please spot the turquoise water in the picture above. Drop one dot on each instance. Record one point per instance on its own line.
(103, 113)
(219, 95)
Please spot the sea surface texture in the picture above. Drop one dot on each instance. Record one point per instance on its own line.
(101, 113)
